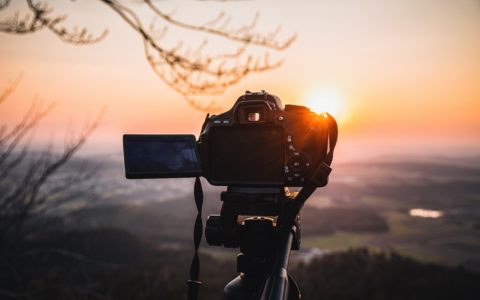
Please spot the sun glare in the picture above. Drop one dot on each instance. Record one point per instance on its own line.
(327, 100)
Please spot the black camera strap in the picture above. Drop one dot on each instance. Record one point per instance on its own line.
(193, 283)
(319, 178)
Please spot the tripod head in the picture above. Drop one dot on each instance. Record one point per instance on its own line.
(241, 204)
(249, 219)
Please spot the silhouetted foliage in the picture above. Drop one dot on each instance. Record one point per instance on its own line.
(113, 264)
(192, 71)
(26, 186)
(365, 274)
(30, 184)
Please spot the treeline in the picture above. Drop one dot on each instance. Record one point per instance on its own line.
(113, 264)
(366, 274)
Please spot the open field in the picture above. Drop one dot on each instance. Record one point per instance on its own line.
(392, 190)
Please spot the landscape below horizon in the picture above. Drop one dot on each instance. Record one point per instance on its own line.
(424, 208)
(389, 228)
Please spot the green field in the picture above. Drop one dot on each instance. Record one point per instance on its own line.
(439, 240)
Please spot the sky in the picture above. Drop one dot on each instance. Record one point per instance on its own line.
(401, 77)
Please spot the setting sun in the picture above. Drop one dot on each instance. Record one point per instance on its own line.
(327, 100)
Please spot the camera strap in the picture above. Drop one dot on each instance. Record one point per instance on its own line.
(193, 283)
(319, 178)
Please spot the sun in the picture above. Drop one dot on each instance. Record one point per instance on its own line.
(327, 100)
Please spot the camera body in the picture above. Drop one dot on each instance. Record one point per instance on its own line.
(259, 142)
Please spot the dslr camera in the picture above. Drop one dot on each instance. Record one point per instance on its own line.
(258, 142)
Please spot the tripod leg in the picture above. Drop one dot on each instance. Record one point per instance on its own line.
(277, 284)
(242, 288)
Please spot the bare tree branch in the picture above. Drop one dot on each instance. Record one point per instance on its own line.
(7, 91)
(194, 72)
(24, 191)
(11, 139)
(220, 26)
(40, 17)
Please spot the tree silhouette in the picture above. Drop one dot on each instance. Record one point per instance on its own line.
(28, 183)
(193, 72)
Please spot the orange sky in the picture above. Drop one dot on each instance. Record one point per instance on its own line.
(407, 73)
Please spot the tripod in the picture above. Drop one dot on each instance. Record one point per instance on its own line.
(255, 220)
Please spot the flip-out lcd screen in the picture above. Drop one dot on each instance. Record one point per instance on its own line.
(160, 156)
